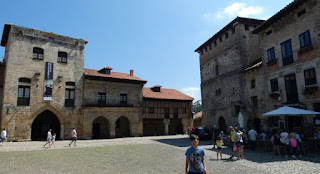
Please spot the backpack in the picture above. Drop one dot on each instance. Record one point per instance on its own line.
(293, 142)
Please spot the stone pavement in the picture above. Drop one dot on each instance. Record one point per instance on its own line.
(254, 162)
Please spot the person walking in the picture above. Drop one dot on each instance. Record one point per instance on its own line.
(195, 157)
(3, 136)
(232, 139)
(73, 137)
(49, 138)
(219, 143)
(239, 143)
(253, 138)
(54, 135)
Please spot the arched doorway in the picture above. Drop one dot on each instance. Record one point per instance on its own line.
(100, 128)
(42, 123)
(122, 127)
(222, 124)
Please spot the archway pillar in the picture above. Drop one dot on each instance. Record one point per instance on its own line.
(134, 129)
(166, 123)
(186, 122)
(112, 130)
(62, 132)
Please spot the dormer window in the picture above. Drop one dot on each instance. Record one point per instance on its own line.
(106, 70)
(156, 88)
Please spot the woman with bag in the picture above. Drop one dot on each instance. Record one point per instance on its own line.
(239, 143)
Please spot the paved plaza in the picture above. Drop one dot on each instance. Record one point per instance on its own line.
(158, 154)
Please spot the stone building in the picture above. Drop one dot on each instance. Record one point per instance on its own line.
(223, 59)
(290, 53)
(112, 104)
(39, 70)
(166, 111)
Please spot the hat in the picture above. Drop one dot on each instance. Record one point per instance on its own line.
(237, 127)
(230, 127)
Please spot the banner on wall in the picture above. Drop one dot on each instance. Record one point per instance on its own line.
(48, 81)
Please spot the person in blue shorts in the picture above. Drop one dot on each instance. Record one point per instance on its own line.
(219, 143)
(195, 157)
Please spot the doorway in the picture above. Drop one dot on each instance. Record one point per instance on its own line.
(100, 128)
(42, 123)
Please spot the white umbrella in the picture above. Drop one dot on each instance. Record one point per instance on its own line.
(289, 111)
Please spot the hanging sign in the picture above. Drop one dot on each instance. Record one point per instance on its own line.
(48, 81)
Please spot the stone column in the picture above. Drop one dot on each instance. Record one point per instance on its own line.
(166, 123)
(62, 132)
(134, 129)
(185, 124)
(112, 130)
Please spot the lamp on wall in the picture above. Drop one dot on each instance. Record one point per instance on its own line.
(37, 75)
(60, 78)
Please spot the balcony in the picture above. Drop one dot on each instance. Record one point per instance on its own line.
(111, 103)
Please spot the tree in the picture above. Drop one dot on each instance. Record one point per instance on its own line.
(197, 106)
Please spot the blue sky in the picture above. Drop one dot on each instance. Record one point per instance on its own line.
(155, 38)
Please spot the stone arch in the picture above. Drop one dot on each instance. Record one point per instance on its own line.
(42, 123)
(54, 116)
(222, 124)
(100, 128)
(122, 127)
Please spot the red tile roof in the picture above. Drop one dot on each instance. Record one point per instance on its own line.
(166, 94)
(113, 75)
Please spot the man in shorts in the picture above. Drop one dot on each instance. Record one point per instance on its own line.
(73, 137)
(3, 136)
(232, 140)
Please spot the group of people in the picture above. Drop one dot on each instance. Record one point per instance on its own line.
(291, 143)
(51, 138)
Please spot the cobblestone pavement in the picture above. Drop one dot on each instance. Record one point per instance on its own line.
(167, 156)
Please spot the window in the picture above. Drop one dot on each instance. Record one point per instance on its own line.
(210, 46)
(226, 35)
(254, 101)
(24, 80)
(215, 43)
(123, 99)
(246, 27)
(268, 32)
(274, 85)
(310, 77)
(23, 96)
(166, 112)
(301, 12)
(69, 98)
(62, 57)
(305, 39)
(175, 112)
(271, 55)
(151, 110)
(184, 110)
(220, 39)
(70, 84)
(253, 83)
(286, 53)
(205, 49)
(217, 70)
(101, 98)
(37, 53)
(233, 30)
(237, 109)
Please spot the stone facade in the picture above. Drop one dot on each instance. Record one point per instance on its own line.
(303, 17)
(19, 63)
(223, 59)
(250, 75)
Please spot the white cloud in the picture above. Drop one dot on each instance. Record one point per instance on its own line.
(192, 92)
(236, 9)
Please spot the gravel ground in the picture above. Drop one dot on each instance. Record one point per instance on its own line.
(159, 154)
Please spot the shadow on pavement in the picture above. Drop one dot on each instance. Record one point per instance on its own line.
(261, 156)
(182, 142)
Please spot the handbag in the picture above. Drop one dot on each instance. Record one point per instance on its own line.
(234, 147)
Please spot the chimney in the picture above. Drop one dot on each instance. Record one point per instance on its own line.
(131, 72)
